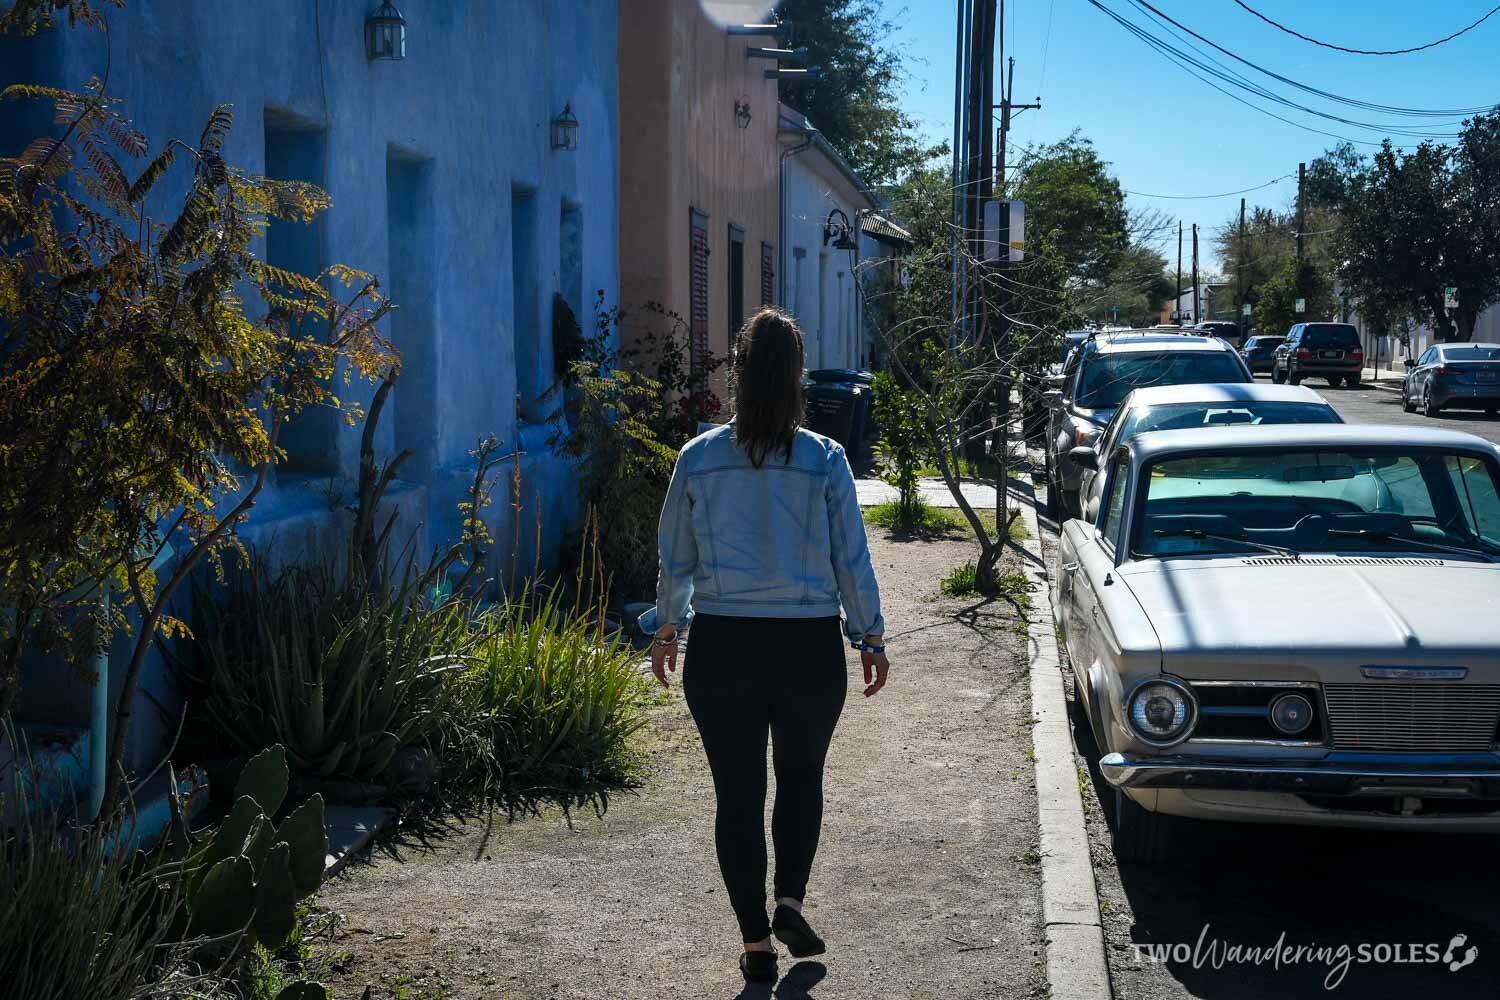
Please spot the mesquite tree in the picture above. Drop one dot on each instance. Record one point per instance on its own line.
(140, 402)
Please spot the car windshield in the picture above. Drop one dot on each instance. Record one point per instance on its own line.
(1476, 352)
(1321, 335)
(1109, 378)
(1264, 341)
(1357, 500)
(1177, 416)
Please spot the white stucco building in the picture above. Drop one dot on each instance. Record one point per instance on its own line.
(833, 244)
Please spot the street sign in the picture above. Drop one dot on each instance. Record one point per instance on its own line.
(1005, 230)
(1245, 309)
(1301, 305)
(1450, 298)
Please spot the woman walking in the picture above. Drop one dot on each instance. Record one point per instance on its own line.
(761, 542)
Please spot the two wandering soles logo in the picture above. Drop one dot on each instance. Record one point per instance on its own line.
(1216, 953)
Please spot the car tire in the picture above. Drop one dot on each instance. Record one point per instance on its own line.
(1406, 404)
(1334, 381)
(1071, 504)
(1429, 408)
(1351, 381)
(1277, 376)
(1293, 378)
(1139, 836)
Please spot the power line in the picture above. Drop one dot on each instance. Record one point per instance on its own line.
(1195, 197)
(1367, 52)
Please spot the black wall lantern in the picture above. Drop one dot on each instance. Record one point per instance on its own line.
(565, 129)
(385, 33)
(742, 113)
(839, 234)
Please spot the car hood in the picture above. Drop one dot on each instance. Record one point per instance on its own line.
(1322, 618)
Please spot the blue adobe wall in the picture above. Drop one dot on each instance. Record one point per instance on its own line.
(426, 161)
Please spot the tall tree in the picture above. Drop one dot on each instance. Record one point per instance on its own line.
(855, 101)
(1413, 223)
(1076, 204)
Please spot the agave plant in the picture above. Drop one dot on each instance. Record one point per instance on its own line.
(342, 678)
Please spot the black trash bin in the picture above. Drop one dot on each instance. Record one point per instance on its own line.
(838, 406)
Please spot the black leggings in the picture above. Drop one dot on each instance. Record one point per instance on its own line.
(744, 678)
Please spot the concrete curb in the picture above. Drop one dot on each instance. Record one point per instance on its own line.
(1076, 966)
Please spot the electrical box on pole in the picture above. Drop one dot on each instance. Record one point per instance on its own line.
(1005, 230)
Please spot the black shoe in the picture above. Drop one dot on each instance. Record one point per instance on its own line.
(758, 966)
(792, 930)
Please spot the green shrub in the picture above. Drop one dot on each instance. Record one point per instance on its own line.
(547, 705)
(342, 677)
(903, 448)
(629, 411)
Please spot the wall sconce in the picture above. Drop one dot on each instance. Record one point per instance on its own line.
(840, 235)
(742, 113)
(385, 33)
(565, 129)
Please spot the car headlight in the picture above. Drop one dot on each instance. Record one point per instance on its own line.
(1291, 714)
(1163, 712)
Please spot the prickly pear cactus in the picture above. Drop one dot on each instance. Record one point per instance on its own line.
(303, 989)
(251, 873)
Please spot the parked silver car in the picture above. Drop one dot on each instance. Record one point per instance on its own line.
(1102, 371)
(1295, 624)
(1453, 375)
(1184, 407)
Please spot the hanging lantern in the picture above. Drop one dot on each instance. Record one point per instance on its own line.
(565, 129)
(385, 33)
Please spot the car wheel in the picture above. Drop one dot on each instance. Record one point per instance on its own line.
(1277, 375)
(1140, 836)
(1406, 404)
(1429, 408)
(1334, 381)
(1350, 381)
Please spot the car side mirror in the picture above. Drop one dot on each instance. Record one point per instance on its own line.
(1084, 457)
(1410, 363)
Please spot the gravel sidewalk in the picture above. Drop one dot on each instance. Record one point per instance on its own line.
(926, 883)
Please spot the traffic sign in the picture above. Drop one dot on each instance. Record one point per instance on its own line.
(1450, 298)
(1245, 309)
(1301, 305)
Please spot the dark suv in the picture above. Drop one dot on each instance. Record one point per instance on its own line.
(1322, 350)
(1222, 329)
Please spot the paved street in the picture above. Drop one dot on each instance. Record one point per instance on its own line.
(1370, 404)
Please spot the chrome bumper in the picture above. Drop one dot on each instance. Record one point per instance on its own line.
(1470, 776)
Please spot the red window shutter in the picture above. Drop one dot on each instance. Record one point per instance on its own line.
(698, 293)
(767, 275)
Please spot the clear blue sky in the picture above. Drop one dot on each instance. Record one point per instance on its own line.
(1165, 132)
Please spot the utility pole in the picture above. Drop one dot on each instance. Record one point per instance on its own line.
(1195, 273)
(1301, 187)
(1239, 278)
(1177, 302)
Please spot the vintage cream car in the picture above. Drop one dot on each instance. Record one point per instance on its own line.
(1296, 624)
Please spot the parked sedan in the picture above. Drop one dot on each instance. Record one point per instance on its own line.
(1259, 352)
(1322, 350)
(1102, 372)
(1184, 407)
(1453, 376)
(1296, 624)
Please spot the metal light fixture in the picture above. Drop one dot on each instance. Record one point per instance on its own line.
(839, 235)
(742, 113)
(385, 33)
(565, 129)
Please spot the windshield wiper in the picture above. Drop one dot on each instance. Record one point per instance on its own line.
(1392, 538)
(1194, 533)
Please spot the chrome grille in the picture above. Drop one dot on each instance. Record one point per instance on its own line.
(1413, 718)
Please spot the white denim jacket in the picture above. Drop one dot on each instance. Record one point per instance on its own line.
(782, 541)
